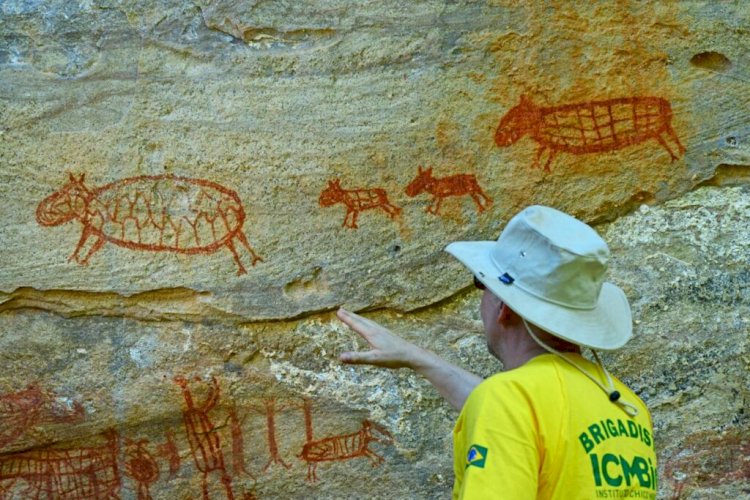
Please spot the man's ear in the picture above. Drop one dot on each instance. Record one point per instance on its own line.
(506, 314)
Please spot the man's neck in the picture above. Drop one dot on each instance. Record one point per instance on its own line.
(519, 348)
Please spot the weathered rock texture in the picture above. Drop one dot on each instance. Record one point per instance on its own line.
(192, 141)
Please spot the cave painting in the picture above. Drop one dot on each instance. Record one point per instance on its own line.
(238, 443)
(273, 447)
(203, 437)
(342, 446)
(116, 463)
(356, 201)
(443, 187)
(140, 466)
(22, 410)
(161, 213)
(70, 473)
(589, 127)
(168, 451)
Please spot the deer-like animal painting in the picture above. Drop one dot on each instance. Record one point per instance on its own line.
(443, 187)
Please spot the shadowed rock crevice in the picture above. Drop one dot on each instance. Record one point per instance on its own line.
(729, 175)
(711, 60)
(167, 304)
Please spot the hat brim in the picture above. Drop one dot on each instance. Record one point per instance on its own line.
(606, 327)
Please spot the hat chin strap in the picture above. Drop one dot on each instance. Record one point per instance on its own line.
(613, 394)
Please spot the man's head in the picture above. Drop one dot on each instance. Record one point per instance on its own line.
(548, 267)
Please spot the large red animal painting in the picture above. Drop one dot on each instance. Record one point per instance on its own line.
(160, 213)
(81, 473)
(589, 127)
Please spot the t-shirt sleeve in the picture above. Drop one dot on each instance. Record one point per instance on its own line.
(499, 443)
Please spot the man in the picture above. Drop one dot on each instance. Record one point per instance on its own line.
(553, 424)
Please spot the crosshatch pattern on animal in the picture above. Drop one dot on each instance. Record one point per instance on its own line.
(356, 201)
(589, 127)
(161, 213)
(76, 473)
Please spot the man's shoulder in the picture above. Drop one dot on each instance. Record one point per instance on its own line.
(539, 370)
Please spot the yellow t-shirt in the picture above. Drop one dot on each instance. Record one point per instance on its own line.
(544, 430)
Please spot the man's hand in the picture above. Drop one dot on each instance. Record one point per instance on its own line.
(386, 349)
(391, 351)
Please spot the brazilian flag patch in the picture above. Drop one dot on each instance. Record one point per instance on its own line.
(476, 457)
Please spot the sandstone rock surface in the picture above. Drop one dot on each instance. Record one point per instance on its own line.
(195, 136)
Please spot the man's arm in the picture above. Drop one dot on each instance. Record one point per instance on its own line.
(390, 351)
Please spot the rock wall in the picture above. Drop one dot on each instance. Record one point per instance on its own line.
(190, 189)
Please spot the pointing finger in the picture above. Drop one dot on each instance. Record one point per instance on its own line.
(356, 358)
(355, 322)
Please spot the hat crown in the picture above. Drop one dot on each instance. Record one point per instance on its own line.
(553, 256)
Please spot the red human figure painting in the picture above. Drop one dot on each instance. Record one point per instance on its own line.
(205, 444)
(443, 187)
(270, 408)
(141, 467)
(341, 447)
(20, 411)
(356, 201)
(160, 213)
(589, 127)
(80, 473)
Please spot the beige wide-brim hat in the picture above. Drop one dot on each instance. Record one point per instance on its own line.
(549, 268)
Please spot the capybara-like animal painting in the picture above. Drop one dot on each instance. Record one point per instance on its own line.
(161, 213)
(589, 127)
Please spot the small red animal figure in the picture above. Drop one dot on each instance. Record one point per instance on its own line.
(356, 200)
(442, 187)
(590, 127)
(344, 447)
(22, 410)
(160, 213)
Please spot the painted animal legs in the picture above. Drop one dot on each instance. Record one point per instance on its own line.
(435, 207)
(376, 459)
(241, 269)
(243, 239)
(551, 156)
(350, 220)
(665, 146)
(476, 197)
(94, 248)
(311, 474)
(671, 133)
(539, 151)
